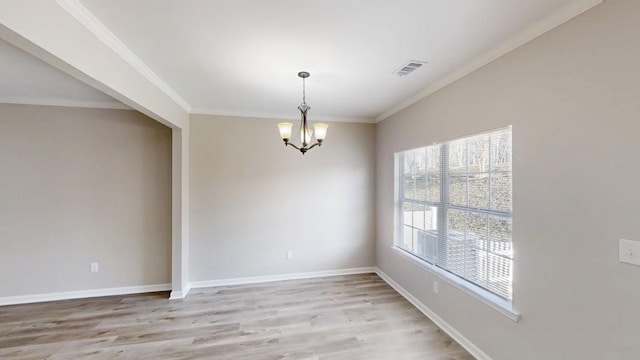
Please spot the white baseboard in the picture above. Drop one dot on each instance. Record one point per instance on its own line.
(81, 294)
(176, 295)
(463, 341)
(270, 278)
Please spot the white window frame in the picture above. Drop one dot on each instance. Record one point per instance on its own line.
(498, 303)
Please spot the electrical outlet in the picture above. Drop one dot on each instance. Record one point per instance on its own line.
(630, 251)
(435, 287)
(289, 255)
(94, 267)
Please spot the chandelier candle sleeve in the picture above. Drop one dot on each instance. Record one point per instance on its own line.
(306, 134)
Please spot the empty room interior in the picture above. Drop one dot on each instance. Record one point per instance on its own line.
(409, 179)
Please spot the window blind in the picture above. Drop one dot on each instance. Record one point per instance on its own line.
(456, 208)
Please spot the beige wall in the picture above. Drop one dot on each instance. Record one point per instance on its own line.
(252, 199)
(82, 186)
(572, 96)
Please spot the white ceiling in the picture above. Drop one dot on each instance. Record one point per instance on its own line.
(241, 57)
(25, 79)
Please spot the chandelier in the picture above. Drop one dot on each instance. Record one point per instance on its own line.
(306, 134)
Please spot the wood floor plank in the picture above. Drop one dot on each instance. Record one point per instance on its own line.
(342, 317)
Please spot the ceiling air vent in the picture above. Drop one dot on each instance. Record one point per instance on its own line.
(409, 67)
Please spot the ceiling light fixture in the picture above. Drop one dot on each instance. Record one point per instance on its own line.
(305, 134)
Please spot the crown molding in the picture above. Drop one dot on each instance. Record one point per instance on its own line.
(86, 18)
(557, 18)
(65, 103)
(203, 111)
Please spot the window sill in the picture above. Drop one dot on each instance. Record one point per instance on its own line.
(494, 302)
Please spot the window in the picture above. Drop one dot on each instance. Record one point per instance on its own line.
(455, 208)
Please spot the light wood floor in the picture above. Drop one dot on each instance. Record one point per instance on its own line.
(342, 317)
